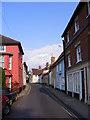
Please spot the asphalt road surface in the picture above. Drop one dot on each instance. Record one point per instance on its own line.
(38, 104)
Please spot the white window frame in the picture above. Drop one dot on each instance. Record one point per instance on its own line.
(4, 47)
(68, 37)
(69, 60)
(76, 82)
(10, 62)
(10, 82)
(78, 53)
(76, 24)
(89, 8)
(68, 81)
(2, 61)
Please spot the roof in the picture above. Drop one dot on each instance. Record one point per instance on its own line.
(78, 8)
(9, 41)
(36, 71)
(56, 62)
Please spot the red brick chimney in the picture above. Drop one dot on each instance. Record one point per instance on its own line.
(39, 67)
(52, 59)
(47, 65)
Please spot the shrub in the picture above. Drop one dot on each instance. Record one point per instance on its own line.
(2, 78)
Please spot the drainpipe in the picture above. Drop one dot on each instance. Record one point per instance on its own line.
(65, 67)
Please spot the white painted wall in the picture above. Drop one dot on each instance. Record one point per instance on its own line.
(35, 79)
(24, 76)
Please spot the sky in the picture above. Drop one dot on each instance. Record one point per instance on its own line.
(38, 26)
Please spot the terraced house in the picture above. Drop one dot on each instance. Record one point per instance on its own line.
(11, 57)
(77, 52)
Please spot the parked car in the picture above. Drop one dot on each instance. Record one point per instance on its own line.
(5, 106)
(11, 94)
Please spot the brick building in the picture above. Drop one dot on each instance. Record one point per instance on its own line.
(77, 53)
(11, 56)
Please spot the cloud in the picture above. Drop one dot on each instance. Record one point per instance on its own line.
(40, 56)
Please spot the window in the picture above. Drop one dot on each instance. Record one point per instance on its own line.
(10, 82)
(76, 82)
(2, 61)
(78, 52)
(60, 67)
(69, 82)
(69, 60)
(10, 61)
(57, 68)
(89, 7)
(67, 36)
(2, 48)
(76, 25)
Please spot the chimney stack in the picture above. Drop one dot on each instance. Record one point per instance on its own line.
(47, 65)
(39, 67)
(52, 60)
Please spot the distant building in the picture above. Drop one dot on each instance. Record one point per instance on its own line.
(60, 75)
(52, 72)
(45, 74)
(35, 74)
(11, 56)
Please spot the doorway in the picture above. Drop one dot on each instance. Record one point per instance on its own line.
(83, 85)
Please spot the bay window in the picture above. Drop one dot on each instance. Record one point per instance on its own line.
(69, 83)
(76, 82)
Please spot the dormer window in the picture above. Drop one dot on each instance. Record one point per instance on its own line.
(76, 24)
(2, 48)
(89, 8)
(67, 36)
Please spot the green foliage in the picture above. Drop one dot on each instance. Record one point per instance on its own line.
(2, 78)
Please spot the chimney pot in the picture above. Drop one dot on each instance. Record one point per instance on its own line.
(52, 59)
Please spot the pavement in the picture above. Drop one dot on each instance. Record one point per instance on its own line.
(25, 91)
(80, 109)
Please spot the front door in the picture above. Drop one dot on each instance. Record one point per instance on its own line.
(83, 85)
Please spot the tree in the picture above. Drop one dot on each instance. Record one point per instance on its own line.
(2, 78)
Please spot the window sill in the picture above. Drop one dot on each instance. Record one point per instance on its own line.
(75, 32)
(2, 51)
(69, 66)
(78, 61)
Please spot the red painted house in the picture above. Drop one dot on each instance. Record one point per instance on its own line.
(11, 55)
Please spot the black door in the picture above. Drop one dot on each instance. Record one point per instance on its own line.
(83, 86)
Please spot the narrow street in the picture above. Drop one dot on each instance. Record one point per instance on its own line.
(38, 104)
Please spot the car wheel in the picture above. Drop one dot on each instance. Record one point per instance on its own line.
(7, 110)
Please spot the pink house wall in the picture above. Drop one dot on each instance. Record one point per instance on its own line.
(16, 69)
